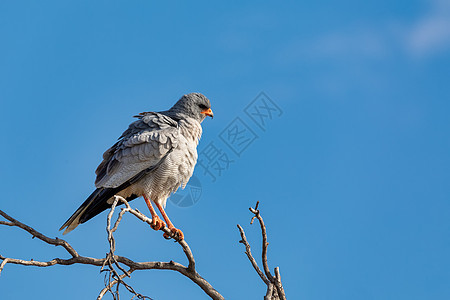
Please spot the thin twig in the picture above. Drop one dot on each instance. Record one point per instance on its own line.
(112, 262)
(4, 262)
(110, 285)
(6, 223)
(250, 256)
(265, 244)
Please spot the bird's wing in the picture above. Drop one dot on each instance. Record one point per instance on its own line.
(142, 146)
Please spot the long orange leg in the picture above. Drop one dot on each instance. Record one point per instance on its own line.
(157, 223)
(172, 228)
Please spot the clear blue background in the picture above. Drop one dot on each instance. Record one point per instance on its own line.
(353, 178)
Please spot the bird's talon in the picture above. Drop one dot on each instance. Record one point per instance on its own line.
(178, 233)
(157, 223)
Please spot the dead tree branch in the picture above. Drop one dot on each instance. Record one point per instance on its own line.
(113, 261)
(115, 266)
(275, 288)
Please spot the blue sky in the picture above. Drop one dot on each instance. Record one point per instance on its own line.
(352, 176)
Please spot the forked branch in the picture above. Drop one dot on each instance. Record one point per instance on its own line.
(115, 264)
(118, 268)
(275, 288)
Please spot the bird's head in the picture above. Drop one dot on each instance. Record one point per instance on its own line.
(193, 105)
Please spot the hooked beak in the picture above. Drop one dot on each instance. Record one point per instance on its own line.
(208, 112)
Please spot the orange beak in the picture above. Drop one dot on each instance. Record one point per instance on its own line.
(208, 112)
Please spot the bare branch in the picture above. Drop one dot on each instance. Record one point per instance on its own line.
(110, 286)
(265, 244)
(4, 262)
(187, 251)
(112, 259)
(278, 284)
(271, 281)
(115, 265)
(269, 292)
(6, 223)
(250, 256)
(34, 233)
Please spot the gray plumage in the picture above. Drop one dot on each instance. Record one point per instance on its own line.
(153, 157)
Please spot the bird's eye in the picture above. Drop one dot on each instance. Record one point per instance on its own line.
(203, 106)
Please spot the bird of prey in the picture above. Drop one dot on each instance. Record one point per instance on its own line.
(152, 158)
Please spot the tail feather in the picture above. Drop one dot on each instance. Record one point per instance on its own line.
(98, 201)
(94, 204)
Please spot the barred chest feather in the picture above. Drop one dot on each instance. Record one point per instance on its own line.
(177, 167)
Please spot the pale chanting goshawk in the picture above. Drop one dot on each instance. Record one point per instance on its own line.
(152, 158)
